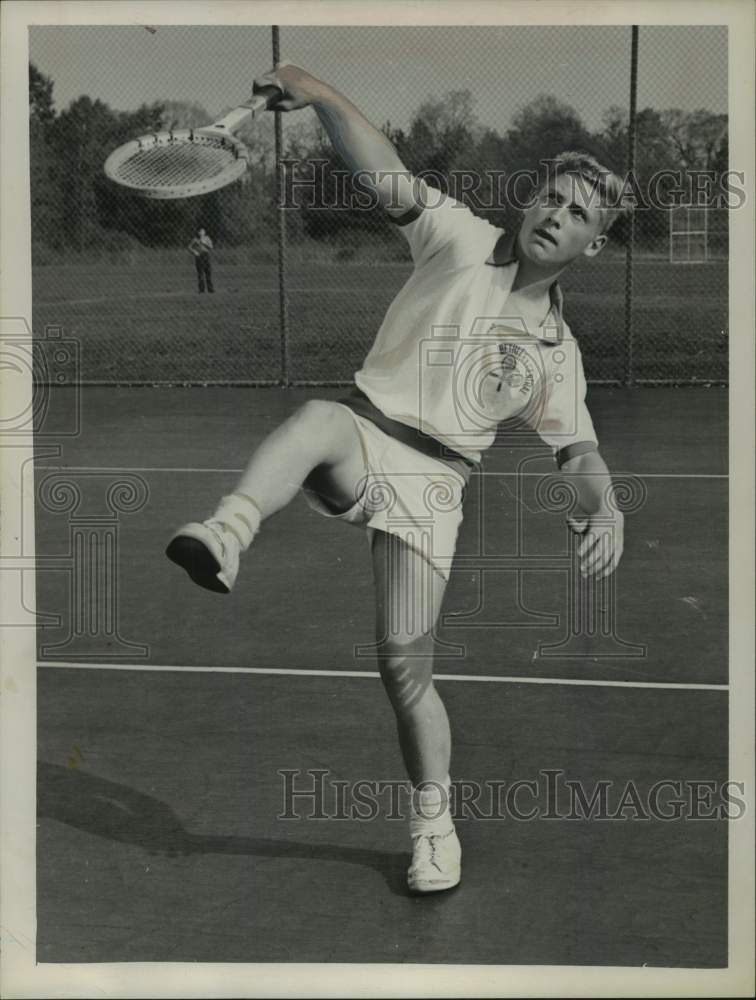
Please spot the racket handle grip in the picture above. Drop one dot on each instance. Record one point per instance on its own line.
(266, 96)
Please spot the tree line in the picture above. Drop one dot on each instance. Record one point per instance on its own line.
(75, 208)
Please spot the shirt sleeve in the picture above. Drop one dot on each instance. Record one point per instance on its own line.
(564, 422)
(441, 225)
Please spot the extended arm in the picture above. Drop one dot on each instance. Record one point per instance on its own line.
(596, 515)
(365, 150)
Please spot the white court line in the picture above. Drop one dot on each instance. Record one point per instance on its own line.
(190, 296)
(292, 672)
(159, 468)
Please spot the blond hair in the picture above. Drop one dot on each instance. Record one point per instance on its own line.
(614, 200)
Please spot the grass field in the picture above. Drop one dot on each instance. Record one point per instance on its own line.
(144, 322)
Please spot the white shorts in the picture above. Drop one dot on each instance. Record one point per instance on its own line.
(404, 493)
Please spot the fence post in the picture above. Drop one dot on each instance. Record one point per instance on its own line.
(283, 305)
(631, 137)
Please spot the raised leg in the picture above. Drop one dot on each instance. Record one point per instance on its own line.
(319, 447)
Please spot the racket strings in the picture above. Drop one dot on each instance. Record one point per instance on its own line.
(177, 163)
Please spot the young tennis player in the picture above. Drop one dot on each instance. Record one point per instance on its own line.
(476, 336)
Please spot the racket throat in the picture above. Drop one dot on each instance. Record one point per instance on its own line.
(238, 115)
(231, 122)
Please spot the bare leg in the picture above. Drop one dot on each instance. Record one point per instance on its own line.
(409, 593)
(320, 444)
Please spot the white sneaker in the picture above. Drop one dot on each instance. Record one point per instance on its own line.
(436, 862)
(209, 555)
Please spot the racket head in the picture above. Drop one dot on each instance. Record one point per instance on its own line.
(178, 164)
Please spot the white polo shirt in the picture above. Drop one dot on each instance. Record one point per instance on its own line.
(451, 362)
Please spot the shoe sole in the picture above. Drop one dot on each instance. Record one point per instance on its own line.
(417, 890)
(422, 889)
(201, 565)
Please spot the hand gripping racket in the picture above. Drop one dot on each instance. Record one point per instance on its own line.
(185, 162)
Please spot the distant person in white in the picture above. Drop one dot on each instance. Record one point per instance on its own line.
(200, 248)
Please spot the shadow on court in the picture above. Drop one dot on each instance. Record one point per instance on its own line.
(119, 813)
(160, 836)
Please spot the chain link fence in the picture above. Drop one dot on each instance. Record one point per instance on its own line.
(302, 277)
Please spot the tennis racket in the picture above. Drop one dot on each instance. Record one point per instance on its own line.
(185, 162)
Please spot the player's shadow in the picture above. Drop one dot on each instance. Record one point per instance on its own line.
(117, 812)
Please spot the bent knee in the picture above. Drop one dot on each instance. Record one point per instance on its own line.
(320, 412)
(326, 426)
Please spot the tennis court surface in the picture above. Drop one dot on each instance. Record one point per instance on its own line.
(166, 718)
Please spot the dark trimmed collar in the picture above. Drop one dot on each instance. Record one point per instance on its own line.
(504, 254)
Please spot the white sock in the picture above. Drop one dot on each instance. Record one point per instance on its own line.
(239, 514)
(430, 808)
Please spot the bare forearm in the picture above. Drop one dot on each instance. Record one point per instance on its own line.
(596, 516)
(366, 151)
(359, 144)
